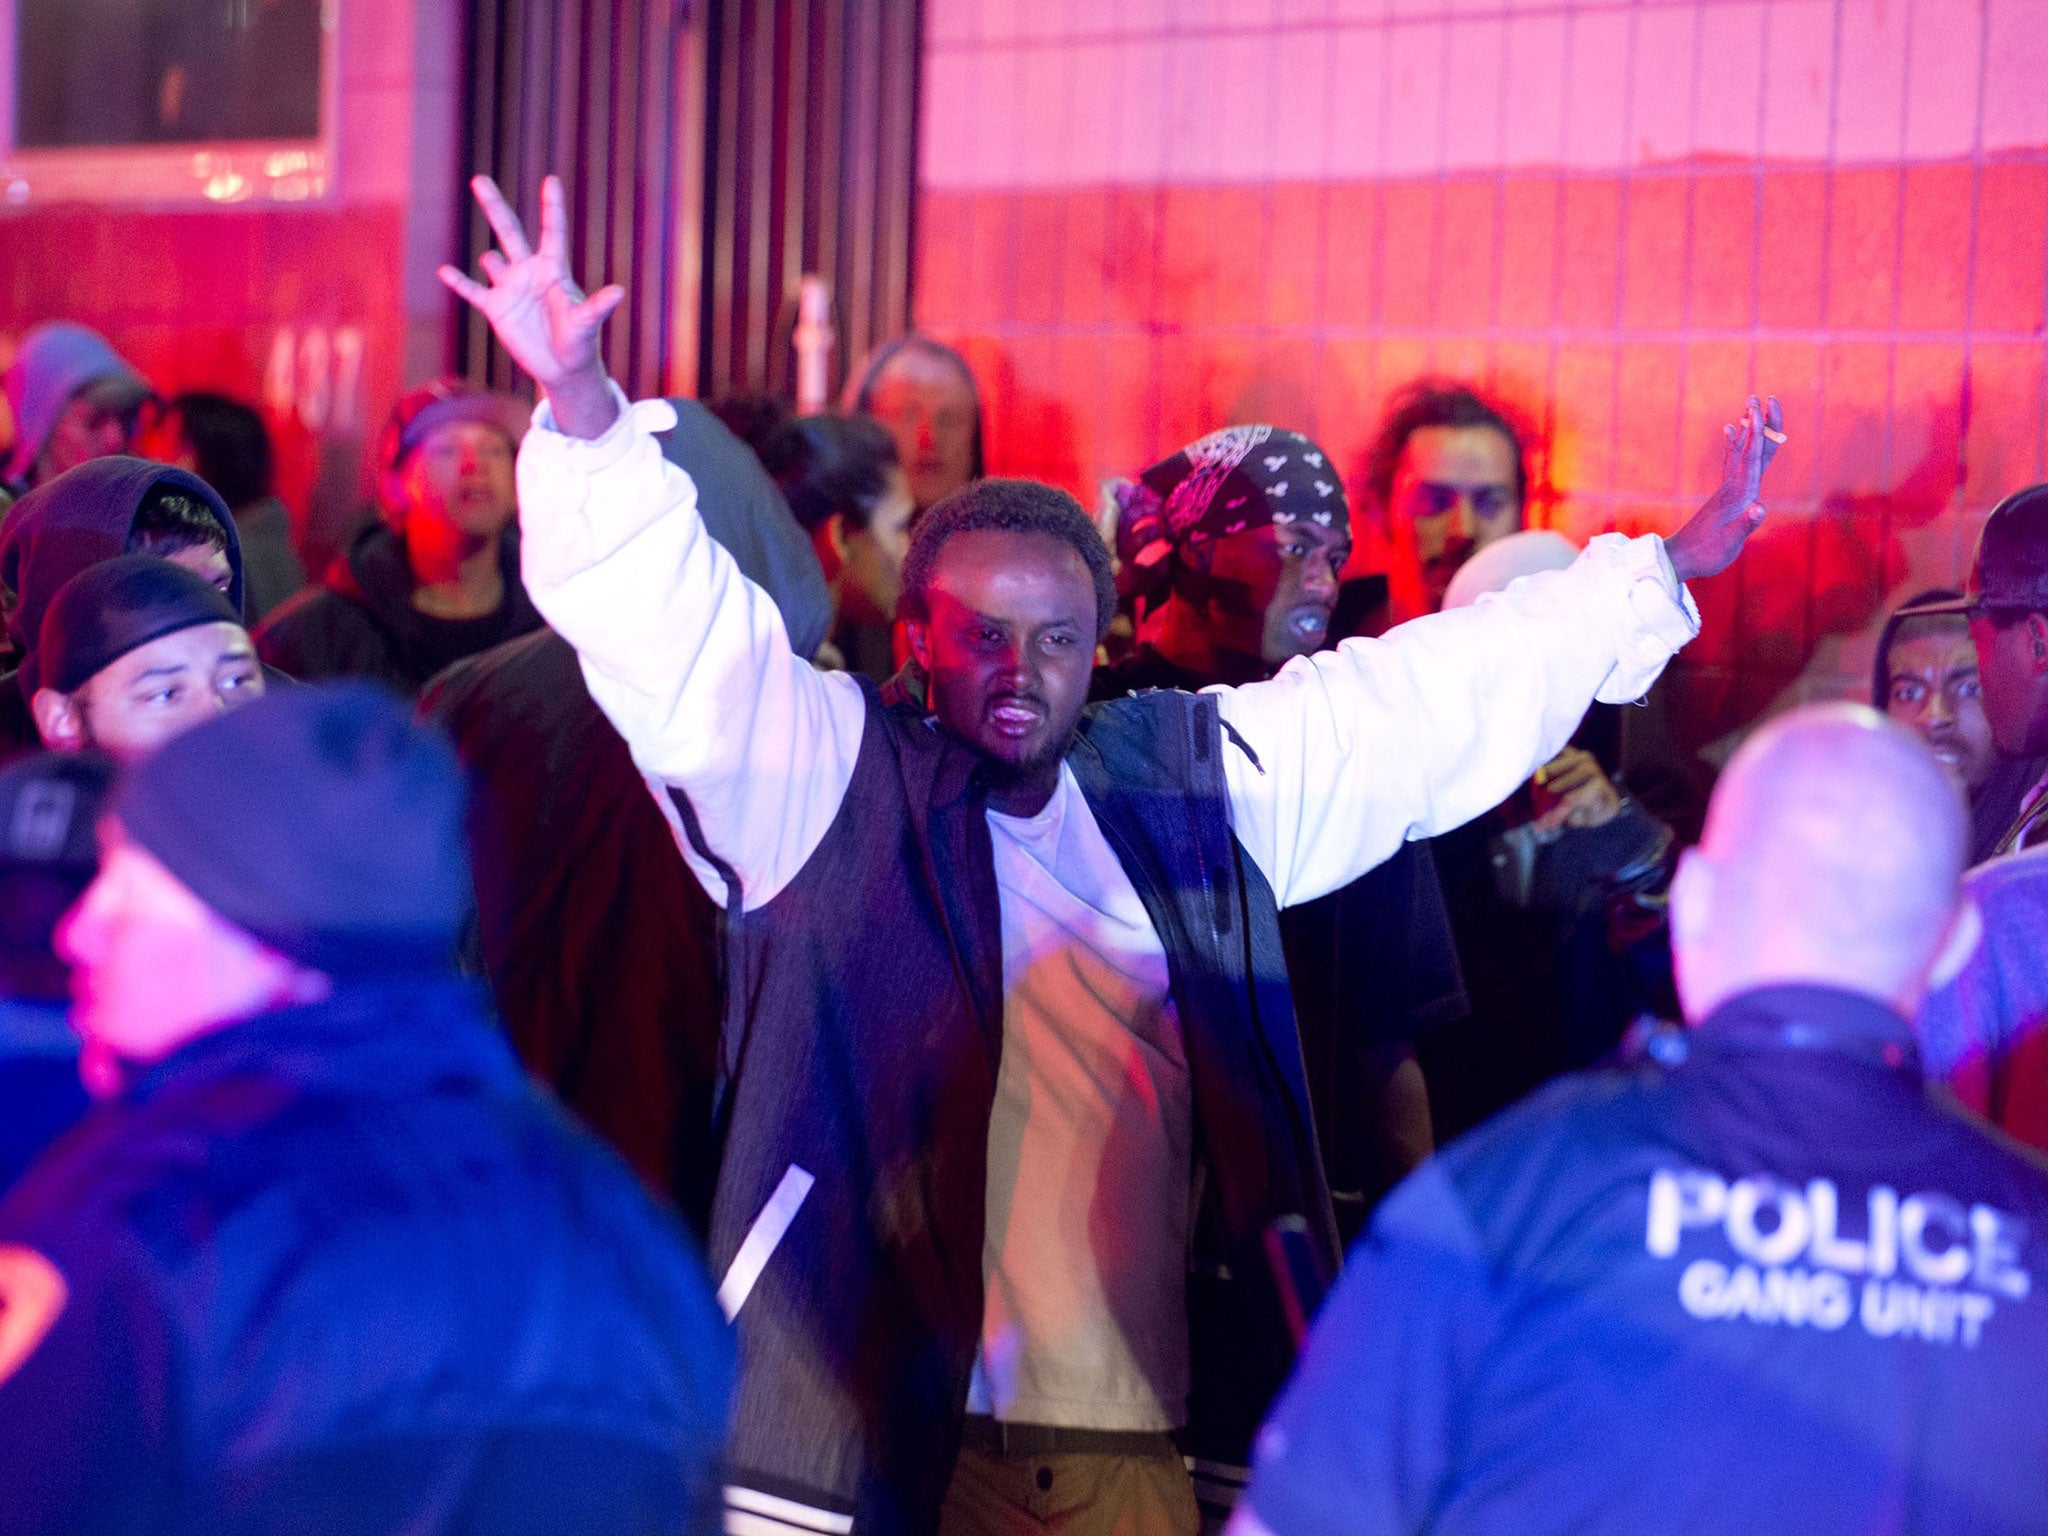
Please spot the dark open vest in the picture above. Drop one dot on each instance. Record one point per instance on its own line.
(863, 1033)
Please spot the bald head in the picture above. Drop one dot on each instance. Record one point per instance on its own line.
(1833, 853)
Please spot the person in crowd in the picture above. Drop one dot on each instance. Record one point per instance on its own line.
(1230, 551)
(73, 398)
(437, 577)
(1004, 976)
(599, 944)
(1555, 897)
(1449, 471)
(925, 394)
(49, 807)
(225, 443)
(323, 1258)
(1985, 1033)
(1760, 1280)
(846, 489)
(1926, 679)
(136, 650)
(95, 512)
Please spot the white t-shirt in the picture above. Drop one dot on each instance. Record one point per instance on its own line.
(1085, 1253)
(1358, 748)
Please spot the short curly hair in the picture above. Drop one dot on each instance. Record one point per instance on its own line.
(1438, 403)
(1007, 506)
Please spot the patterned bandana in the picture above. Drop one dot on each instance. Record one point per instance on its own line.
(1230, 481)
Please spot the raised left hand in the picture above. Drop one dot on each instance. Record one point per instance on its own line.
(1709, 542)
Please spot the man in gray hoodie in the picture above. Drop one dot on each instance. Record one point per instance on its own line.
(73, 398)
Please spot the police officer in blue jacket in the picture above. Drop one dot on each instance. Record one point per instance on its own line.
(324, 1259)
(1761, 1281)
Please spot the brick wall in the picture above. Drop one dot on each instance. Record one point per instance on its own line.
(1147, 218)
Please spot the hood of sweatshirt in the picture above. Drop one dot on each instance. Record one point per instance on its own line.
(80, 518)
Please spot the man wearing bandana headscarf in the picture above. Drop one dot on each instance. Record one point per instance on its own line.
(1232, 547)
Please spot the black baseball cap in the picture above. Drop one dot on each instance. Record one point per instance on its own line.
(110, 609)
(2011, 570)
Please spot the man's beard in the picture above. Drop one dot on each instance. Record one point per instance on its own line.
(1002, 773)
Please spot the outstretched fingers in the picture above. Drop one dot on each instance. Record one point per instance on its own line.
(463, 285)
(1745, 451)
(593, 311)
(503, 221)
(1774, 429)
(1753, 445)
(554, 220)
(1731, 455)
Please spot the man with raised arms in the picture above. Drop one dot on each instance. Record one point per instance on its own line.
(1012, 1093)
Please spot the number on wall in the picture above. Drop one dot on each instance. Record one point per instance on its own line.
(315, 376)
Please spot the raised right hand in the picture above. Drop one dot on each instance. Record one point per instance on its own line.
(538, 312)
(1711, 539)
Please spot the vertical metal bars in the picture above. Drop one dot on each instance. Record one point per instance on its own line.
(713, 154)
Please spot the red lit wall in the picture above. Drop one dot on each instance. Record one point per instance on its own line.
(1147, 218)
(315, 311)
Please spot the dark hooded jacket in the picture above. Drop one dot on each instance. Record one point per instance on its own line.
(360, 621)
(600, 944)
(82, 517)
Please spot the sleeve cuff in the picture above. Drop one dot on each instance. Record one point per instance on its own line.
(1662, 618)
(590, 455)
(1660, 599)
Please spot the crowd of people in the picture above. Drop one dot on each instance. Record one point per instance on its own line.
(727, 970)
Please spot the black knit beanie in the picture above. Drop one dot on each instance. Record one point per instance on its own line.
(322, 820)
(109, 609)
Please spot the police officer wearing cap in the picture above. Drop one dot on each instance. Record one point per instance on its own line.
(1757, 1281)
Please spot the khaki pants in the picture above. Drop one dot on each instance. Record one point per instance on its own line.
(1068, 1495)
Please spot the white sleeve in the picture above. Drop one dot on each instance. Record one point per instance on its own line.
(686, 657)
(1418, 732)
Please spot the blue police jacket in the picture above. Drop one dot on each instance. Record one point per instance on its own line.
(1766, 1284)
(40, 1094)
(342, 1268)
